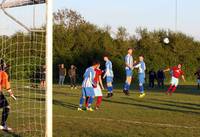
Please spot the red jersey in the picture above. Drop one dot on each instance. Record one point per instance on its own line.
(98, 73)
(177, 72)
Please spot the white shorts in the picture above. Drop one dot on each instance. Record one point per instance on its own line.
(174, 81)
(198, 81)
(97, 91)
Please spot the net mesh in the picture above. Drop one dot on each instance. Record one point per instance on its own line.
(24, 53)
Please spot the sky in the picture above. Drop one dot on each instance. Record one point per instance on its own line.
(150, 14)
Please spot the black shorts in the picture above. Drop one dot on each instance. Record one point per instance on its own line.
(3, 101)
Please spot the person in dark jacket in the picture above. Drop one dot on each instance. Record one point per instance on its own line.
(152, 77)
(72, 76)
(198, 77)
(160, 78)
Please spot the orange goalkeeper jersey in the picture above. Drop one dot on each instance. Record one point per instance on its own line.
(4, 83)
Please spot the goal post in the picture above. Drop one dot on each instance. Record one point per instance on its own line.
(49, 55)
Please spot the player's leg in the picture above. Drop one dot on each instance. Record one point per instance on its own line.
(82, 98)
(6, 108)
(98, 94)
(87, 101)
(109, 81)
(141, 85)
(127, 82)
(90, 93)
(176, 81)
(172, 83)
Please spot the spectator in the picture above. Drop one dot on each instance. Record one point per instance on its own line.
(43, 77)
(160, 78)
(152, 77)
(72, 76)
(62, 74)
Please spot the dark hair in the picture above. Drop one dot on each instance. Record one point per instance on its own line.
(95, 62)
(106, 55)
(141, 56)
(130, 49)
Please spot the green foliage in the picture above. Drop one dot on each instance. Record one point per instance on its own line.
(83, 42)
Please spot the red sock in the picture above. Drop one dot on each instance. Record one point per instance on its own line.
(99, 99)
(173, 89)
(86, 101)
(170, 88)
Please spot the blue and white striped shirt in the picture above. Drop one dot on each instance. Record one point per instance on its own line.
(109, 71)
(88, 77)
(129, 61)
(142, 67)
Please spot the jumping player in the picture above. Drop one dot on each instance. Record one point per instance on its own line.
(177, 72)
(198, 78)
(4, 83)
(129, 71)
(109, 76)
(141, 75)
(88, 87)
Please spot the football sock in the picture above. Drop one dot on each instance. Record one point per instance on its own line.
(90, 101)
(110, 89)
(99, 99)
(141, 88)
(81, 102)
(173, 89)
(5, 115)
(170, 88)
(126, 86)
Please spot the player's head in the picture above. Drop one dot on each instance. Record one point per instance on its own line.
(62, 65)
(180, 65)
(141, 58)
(105, 58)
(130, 51)
(96, 64)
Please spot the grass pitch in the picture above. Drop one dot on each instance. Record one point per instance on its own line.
(156, 115)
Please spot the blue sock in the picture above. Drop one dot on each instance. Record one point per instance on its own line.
(90, 101)
(141, 88)
(125, 86)
(110, 89)
(81, 101)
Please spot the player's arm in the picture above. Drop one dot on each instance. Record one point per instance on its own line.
(137, 65)
(7, 86)
(183, 77)
(106, 72)
(101, 83)
(168, 69)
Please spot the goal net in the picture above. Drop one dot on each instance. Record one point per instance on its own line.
(22, 52)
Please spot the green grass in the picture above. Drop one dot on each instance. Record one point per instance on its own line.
(156, 115)
(27, 116)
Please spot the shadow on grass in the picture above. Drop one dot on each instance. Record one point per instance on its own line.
(166, 103)
(183, 89)
(66, 105)
(139, 104)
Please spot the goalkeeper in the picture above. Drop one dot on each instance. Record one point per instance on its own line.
(4, 83)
